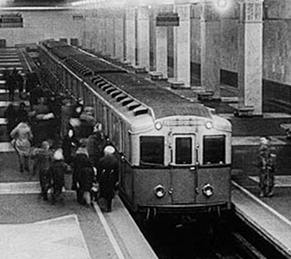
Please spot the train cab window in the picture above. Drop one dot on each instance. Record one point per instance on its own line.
(183, 151)
(152, 150)
(214, 149)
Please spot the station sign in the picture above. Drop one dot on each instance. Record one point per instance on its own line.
(167, 19)
(11, 20)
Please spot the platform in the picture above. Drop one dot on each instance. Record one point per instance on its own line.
(33, 228)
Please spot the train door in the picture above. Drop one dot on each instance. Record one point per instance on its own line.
(183, 170)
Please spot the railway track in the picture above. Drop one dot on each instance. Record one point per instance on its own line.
(201, 240)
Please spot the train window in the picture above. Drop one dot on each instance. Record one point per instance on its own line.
(115, 131)
(214, 149)
(183, 154)
(152, 150)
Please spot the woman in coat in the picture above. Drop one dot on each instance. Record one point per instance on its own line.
(21, 137)
(83, 175)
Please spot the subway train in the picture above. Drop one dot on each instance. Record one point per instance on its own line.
(174, 154)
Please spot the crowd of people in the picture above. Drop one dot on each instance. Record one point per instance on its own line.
(61, 136)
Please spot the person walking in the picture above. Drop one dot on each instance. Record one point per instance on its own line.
(11, 85)
(108, 175)
(267, 162)
(56, 173)
(83, 175)
(10, 114)
(95, 145)
(21, 137)
(42, 161)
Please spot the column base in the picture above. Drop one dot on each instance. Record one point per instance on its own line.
(244, 111)
(175, 84)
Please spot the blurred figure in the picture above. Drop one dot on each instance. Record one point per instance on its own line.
(87, 122)
(11, 84)
(11, 118)
(83, 174)
(267, 162)
(107, 175)
(22, 113)
(19, 82)
(57, 172)
(95, 145)
(42, 161)
(22, 136)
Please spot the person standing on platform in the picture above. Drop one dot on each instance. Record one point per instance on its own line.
(57, 172)
(42, 162)
(11, 85)
(107, 175)
(10, 114)
(22, 136)
(83, 174)
(95, 145)
(267, 162)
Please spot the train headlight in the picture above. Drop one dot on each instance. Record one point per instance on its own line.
(160, 191)
(208, 190)
(158, 125)
(208, 125)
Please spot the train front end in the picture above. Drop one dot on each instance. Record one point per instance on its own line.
(183, 165)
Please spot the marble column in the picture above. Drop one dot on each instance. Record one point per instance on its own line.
(102, 28)
(143, 37)
(250, 52)
(109, 33)
(95, 31)
(119, 35)
(130, 35)
(182, 32)
(210, 26)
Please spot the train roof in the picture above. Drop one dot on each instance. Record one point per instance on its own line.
(163, 102)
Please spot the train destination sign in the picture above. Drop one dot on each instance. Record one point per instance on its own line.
(167, 19)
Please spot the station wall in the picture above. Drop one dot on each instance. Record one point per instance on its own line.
(40, 25)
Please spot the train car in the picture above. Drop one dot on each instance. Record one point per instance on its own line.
(174, 155)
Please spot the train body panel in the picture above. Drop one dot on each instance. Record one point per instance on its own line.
(173, 154)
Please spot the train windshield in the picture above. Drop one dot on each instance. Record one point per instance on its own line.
(152, 150)
(183, 154)
(214, 149)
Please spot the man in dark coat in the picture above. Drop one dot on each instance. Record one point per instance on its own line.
(83, 175)
(11, 117)
(96, 144)
(57, 174)
(42, 162)
(107, 175)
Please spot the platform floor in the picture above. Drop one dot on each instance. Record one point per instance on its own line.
(32, 228)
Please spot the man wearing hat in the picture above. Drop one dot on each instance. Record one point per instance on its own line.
(108, 175)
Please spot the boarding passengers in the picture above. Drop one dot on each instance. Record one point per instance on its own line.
(83, 174)
(57, 172)
(267, 161)
(107, 176)
(42, 161)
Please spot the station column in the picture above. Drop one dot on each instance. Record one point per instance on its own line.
(161, 36)
(250, 54)
(109, 32)
(119, 35)
(143, 37)
(130, 37)
(210, 48)
(182, 45)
